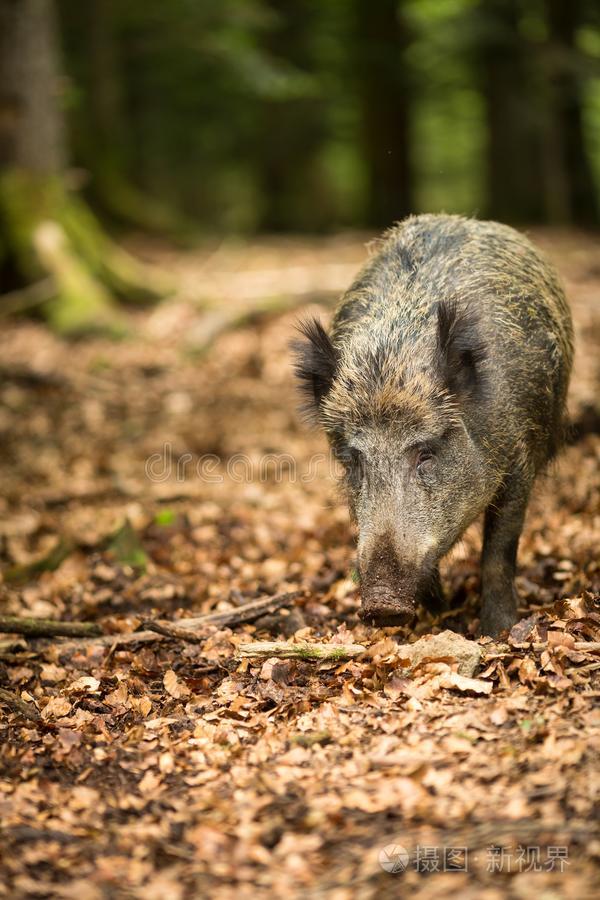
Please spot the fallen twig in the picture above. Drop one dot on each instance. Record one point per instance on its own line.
(47, 627)
(248, 612)
(282, 650)
(114, 641)
(587, 646)
(158, 630)
(166, 629)
(19, 706)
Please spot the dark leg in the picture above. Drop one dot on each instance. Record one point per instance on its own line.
(435, 600)
(502, 530)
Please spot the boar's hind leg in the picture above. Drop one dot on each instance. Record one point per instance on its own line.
(502, 529)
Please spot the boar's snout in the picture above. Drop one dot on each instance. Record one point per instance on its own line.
(388, 590)
(386, 610)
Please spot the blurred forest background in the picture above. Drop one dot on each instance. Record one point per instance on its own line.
(192, 117)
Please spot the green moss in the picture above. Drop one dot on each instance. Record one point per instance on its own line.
(49, 231)
(122, 273)
(81, 303)
(24, 201)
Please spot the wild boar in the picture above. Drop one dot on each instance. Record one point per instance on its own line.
(442, 389)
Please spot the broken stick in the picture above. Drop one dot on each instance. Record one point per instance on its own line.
(47, 627)
(182, 630)
(248, 612)
(305, 650)
(167, 629)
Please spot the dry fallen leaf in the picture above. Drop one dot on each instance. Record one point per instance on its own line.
(119, 696)
(86, 684)
(454, 681)
(174, 686)
(150, 782)
(56, 708)
(499, 715)
(52, 674)
(142, 704)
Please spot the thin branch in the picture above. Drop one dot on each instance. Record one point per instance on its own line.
(157, 631)
(248, 612)
(166, 629)
(586, 646)
(283, 650)
(113, 641)
(47, 627)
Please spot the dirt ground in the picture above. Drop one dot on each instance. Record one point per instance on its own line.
(168, 475)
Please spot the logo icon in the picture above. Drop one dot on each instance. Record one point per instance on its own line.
(393, 858)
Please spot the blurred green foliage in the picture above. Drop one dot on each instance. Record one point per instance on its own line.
(299, 115)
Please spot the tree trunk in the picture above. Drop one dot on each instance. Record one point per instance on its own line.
(537, 166)
(385, 107)
(293, 131)
(31, 125)
(45, 230)
(579, 198)
(99, 126)
(514, 151)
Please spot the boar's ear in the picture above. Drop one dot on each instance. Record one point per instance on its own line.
(315, 363)
(460, 352)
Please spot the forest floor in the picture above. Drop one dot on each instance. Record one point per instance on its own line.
(167, 476)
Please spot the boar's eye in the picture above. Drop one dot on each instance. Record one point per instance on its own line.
(425, 462)
(354, 463)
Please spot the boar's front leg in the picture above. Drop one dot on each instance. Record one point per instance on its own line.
(502, 530)
(435, 599)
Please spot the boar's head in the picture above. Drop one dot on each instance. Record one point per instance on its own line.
(404, 409)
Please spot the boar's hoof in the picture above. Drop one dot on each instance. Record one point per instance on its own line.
(385, 614)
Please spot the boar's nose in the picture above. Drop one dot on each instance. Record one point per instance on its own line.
(386, 610)
(388, 589)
